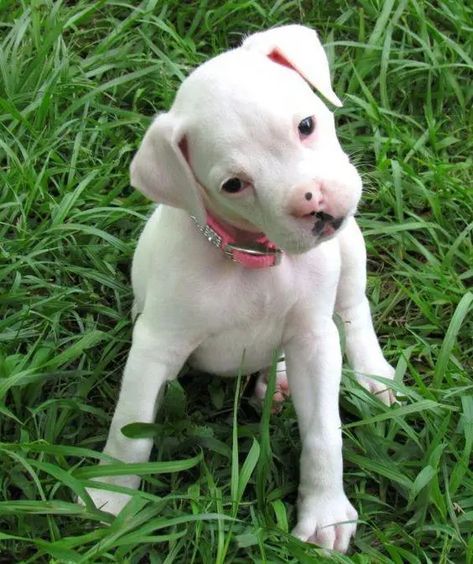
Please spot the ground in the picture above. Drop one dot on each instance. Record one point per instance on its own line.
(80, 81)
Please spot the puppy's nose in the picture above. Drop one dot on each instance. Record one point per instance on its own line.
(306, 200)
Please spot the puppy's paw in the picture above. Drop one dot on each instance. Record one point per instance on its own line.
(328, 521)
(281, 392)
(379, 389)
(110, 502)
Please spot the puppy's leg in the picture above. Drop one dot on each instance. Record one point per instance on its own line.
(281, 391)
(147, 370)
(363, 351)
(325, 516)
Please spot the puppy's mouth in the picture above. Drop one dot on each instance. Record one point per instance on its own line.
(325, 225)
(309, 231)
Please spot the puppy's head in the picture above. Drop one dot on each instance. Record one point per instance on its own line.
(247, 139)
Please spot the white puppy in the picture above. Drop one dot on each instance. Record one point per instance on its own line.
(253, 249)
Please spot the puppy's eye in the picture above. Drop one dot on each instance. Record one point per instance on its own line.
(233, 185)
(306, 126)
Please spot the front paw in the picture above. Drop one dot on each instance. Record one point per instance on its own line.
(377, 388)
(326, 520)
(108, 501)
(281, 392)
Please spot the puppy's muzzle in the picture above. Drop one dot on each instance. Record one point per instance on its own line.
(325, 223)
(308, 202)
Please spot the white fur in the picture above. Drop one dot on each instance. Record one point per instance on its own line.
(238, 116)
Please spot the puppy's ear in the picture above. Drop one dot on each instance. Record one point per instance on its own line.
(160, 169)
(299, 48)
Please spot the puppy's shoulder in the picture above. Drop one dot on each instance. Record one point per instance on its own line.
(165, 233)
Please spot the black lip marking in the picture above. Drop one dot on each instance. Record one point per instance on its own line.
(318, 227)
(322, 220)
(324, 216)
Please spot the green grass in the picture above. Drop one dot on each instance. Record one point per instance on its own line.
(79, 84)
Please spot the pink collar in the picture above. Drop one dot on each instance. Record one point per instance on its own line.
(259, 254)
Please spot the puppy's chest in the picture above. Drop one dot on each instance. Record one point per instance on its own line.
(240, 345)
(252, 299)
(247, 320)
